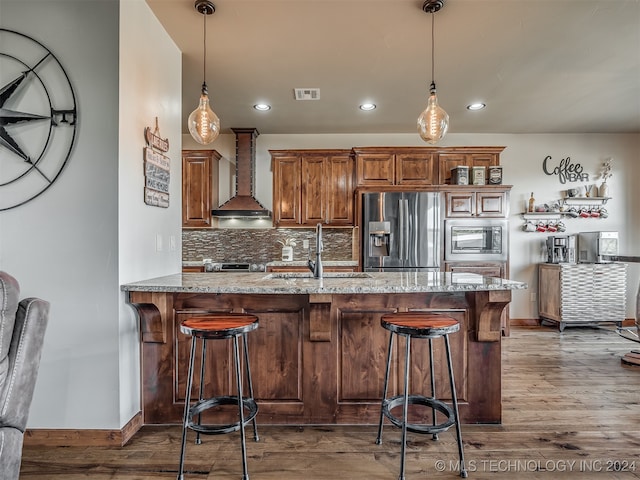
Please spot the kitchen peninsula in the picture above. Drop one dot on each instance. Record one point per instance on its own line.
(318, 356)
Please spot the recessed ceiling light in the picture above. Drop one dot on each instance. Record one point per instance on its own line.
(263, 107)
(368, 106)
(476, 106)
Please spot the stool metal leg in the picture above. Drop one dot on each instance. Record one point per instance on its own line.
(405, 408)
(433, 385)
(384, 390)
(187, 402)
(201, 393)
(245, 474)
(454, 399)
(246, 361)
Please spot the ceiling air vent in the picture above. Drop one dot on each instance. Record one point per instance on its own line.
(307, 93)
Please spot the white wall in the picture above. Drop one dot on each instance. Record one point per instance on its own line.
(63, 246)
(75, 244)
(149, 240)
(522, 167)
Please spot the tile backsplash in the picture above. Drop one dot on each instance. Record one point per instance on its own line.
(261, 245)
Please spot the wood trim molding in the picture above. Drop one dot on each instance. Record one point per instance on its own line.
(535, 322)
(82, 438)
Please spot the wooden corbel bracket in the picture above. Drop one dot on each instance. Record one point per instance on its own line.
(489, 306)
(152, 326)
(320, 318)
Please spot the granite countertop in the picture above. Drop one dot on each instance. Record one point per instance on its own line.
(332, 283)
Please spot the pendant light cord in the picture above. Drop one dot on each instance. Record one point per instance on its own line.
(433, 36)
(433, 41)
(204, 55)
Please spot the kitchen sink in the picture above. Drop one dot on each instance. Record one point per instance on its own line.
(286, 275)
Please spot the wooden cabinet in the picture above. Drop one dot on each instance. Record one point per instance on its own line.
(376, 166)
(315, 359)
(582, 294)
(475, 201)
(193, 269)
(311, 187)
(286, 189)
(487, 269)
(449, 160)
(199, 187)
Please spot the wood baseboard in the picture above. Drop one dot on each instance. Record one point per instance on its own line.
(535, 322)
(83, 438)
(524, 322)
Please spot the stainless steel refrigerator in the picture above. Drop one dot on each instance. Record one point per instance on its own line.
(401, 231)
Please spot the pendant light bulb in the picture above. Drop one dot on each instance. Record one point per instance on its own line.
(204, 124)
(433, 122)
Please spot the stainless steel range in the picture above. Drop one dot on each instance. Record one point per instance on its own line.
(221, 267)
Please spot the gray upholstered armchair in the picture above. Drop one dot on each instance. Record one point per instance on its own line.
(22, 327)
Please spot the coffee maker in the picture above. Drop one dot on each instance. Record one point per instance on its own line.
(561, 249)
(597, 247)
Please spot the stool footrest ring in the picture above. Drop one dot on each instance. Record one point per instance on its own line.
(398, 401)
(205, 404)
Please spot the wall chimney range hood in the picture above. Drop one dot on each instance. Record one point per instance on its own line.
(244, 204)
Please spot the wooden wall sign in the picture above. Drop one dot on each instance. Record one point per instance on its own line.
(157, 168)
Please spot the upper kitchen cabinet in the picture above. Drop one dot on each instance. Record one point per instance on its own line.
(475, 201)
(387, 166)
(465, 156)
(199, 187)
(311, 187)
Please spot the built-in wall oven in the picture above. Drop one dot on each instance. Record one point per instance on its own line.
(476, 239)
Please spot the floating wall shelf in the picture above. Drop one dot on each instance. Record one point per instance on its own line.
(584, 200)
(543, 215)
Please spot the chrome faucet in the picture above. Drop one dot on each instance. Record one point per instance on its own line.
(316, 267)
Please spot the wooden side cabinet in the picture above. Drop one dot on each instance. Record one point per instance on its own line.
(312, 186)
(582, 294)
(199, 187)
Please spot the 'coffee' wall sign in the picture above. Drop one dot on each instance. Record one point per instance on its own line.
(565, 170)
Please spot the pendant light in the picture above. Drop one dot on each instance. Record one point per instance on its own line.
(204, 125)
(433, 123)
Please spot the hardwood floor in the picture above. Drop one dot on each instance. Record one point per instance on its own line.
(570, 410)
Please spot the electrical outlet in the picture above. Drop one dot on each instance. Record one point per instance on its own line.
(532, 297)
(159, 245)
(305, 244)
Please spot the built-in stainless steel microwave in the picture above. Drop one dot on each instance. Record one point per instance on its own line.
(476, 239)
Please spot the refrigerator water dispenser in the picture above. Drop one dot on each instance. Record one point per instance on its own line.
(379, 238)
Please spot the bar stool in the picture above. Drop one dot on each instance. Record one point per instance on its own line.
(216, 327)
(420, 325)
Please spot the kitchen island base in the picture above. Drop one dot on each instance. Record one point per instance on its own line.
(320, 358)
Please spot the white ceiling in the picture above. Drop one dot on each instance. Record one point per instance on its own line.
(542, 66)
